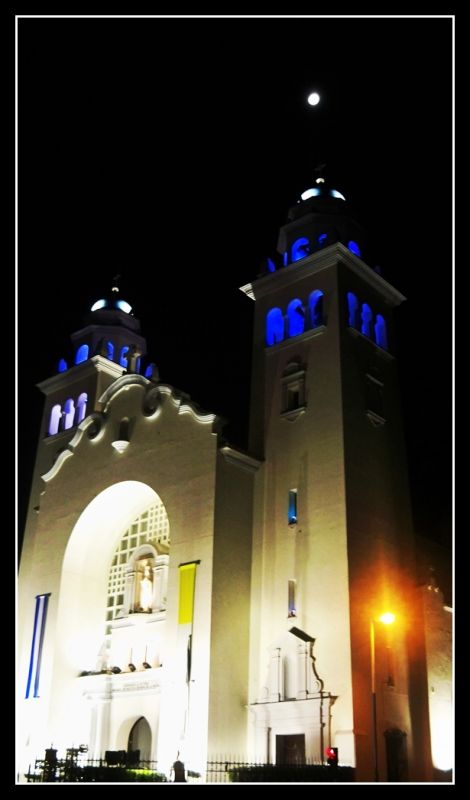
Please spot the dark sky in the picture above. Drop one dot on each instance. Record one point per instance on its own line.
(169, 151)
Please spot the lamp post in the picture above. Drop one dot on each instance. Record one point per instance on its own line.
(387, 619)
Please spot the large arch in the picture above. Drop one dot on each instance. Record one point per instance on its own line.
(82, 595)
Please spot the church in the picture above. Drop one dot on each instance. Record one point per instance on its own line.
(180, 595)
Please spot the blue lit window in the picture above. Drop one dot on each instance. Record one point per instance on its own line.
(338, 195)
(274, 326)
(354, 248)
(123, 306)
(99, 304)
(62, 365)
(80, 411)
(315, 308)
(300, 249)
(285, 257)
(352, 308)
(34, 671)
(292, 507)
(69, 413)
(310, 193)
(137, 365)
(366, 317)
(322, 239)
(54, 420)
(381, 332)
(123, 357)
(271, 265)
(295, 318)
(109, 350)
(149, 371)
(82, 354)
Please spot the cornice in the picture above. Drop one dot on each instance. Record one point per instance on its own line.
(80, 371)
(239, 459)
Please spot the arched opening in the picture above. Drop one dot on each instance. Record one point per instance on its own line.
(295, 318)
(352, 308)
(81, 354)
(69, 413)
(54, 419)
(140, 739)
(300, 249)
(123, 357)
(62, 365)
(366, 319)
(315, 308)
(381, 332)
(80, 411)
(274, 326)
(109, 350)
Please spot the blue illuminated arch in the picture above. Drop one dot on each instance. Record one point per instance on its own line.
(109, 350)
(315, 308)
(122, 358)
(80, 411)
(285, 258)
(81, 354)
(366, 319)
(353, 305)
(62, 365)
(381, 332)
(295, 318)
(322, 239)
(300, 249)
(69, 413)
(354, 248)
(274, 326)
(54, 419)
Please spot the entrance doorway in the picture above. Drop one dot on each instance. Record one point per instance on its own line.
(140, 738)
(397, 759)
(290, 749)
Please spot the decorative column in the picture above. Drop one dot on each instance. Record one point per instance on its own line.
(275, 680)
(302, 672)
(160, 582)
(129, 592)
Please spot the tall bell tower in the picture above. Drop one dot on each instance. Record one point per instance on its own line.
(332, 531)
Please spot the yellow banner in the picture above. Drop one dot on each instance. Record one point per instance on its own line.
(187, 581)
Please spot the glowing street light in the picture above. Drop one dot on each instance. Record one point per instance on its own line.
(386, 619)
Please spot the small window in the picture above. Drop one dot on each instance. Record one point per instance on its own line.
(69, 413)
(300, 249)
(54, 420)
(291, 604)
(109, 350)
(352, 309)
(366, 318)
(315, 308)
(62, 365)
(80, 412)
(123, 357)
(274, 326)
(381, 332)
(293, 389)
(292, 507)
(295, 318)
(82, 354)
(354, 248)
(374, 400)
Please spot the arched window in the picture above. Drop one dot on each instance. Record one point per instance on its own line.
(69, 413)
(54, 419)
(366, 317)
(295, 318)
(274, 326)
(123, 357)
(82, 354)
(137, 365)
(322, 239)
(285, 258)
(315, 308)
(80, 411)
(62, 365)
(354, 248)
(109, 350)
(300, 249)
(352, 308)
(381, 332)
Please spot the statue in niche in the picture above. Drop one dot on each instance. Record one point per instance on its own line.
(146, 589)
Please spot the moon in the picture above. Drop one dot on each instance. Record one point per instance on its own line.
(313, 99)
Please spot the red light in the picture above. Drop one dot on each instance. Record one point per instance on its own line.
(330, 752)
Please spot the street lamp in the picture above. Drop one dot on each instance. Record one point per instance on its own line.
(387, 619)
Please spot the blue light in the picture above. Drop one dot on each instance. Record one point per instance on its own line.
(295, 317)
(110, 350)
(285, 256)
(123, 359)
(338, 195)
(99, 304)
(381, 332)
(300, 249)
(292, 508)
(354, 248)
(310, 193)
(271, 265)
(315, 307)
(366, 317)
(82, 354)
(274, 326)
(322, 239)
(62, 365)
(149, 371)
(352, 306)
(123, 306)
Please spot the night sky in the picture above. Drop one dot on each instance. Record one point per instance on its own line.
(169, 151)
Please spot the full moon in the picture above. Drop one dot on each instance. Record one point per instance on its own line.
(313, 99)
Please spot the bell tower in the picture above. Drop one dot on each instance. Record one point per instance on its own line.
(332, 534)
